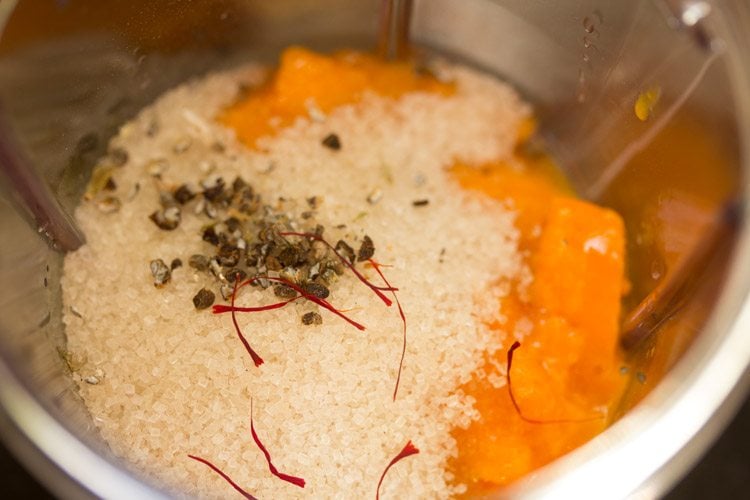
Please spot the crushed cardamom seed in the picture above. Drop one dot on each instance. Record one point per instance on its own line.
(198, 262)
(183, 194)
(203, 299)
(284, 292)
(167, 218)
(345, 250)
(160, 272)
(312, 318)
(332, 141)
(316, 289)
(366, 250)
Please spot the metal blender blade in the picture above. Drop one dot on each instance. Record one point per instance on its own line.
(31, 192)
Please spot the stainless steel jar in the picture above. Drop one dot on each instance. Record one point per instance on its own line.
(72, 71)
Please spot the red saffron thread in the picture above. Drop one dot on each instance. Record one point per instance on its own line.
(321, 302)
(408, 451)
(377, 289)
(223, 308)
(297, 481)
(224, 476)
(377, 266)
(220, 308)
(256, 359)
(512, 349)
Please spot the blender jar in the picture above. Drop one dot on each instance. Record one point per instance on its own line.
(72, 72)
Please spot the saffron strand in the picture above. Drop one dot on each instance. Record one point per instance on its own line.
(512, 349)
(346, 262)
(297, 481)
(321, 302)
(223, 308)
(407, 451)
(377, 266)
(257, 360)
(224, 476)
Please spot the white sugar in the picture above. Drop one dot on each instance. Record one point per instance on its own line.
(177, 381)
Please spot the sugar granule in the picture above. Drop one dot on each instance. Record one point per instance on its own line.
(177, 379)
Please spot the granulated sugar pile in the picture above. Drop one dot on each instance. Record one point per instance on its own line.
(163, 380)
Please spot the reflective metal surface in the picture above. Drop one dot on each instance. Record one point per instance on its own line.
(68, 83)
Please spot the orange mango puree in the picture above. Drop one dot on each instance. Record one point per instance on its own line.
(567, 368)
(306, 80)
(568, 365)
